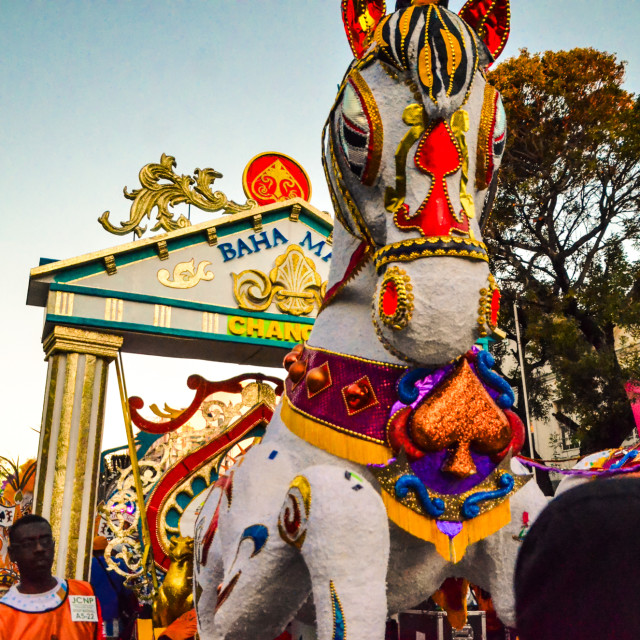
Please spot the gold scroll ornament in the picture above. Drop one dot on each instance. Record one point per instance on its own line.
(293, 283)
(413, 116)
(185, 275)
(460, 126)
(175, 189)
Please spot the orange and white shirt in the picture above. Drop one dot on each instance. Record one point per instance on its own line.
(69, 611)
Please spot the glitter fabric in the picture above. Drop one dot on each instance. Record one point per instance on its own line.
(388, 476)
(359, 396)
(356, 397)
(428, 469)
(328, 405)
(425, 386)
(318, 379)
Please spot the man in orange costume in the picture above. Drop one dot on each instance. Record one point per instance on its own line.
(41, 606)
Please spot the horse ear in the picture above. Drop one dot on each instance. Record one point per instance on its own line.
(491, 20)
(361, 17)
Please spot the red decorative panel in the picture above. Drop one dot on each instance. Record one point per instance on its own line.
(274, 177)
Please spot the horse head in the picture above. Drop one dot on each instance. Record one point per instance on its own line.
(412, 147)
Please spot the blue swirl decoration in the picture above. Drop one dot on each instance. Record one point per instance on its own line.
(630, 455)
(407, 482)
(484, 362)
(407, 391)
(258, 534)
(471, 506)
(338, 615)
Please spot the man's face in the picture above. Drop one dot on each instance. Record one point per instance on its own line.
(33, 550)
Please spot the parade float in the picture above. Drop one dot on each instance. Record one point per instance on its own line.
(244, 288)
(390, 460)
(179, 456)
(383, 471)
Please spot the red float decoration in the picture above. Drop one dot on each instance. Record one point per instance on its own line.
(398, 435)
(360, 21)
(359, 395)
(261, 414)
(203, 388)
(275, 177)
(437, 156)
(318, 379)
(491, 20)
(292, 356)
(518, 436)
(495, 307)
(390, 298)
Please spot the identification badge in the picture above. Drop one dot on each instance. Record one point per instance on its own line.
(7, 515)
(104, 529)
(83, 609)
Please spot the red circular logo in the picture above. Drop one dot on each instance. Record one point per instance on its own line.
(274, 177)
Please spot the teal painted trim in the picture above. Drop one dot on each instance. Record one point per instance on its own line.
(96, 267)
(180, 304)
(322, 227)
(485, 343)
(227, 228)
(164, 331)
(257, 432)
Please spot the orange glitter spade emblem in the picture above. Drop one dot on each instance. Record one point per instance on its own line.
(274, 177)
(460, 414)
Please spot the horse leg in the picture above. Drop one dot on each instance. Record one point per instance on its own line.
(490, 563)
(339, 522)
(416, 570)
(208, 570)
(249, 583)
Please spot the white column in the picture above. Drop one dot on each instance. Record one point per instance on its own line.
(70, 442)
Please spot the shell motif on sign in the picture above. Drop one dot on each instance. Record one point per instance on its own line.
(275, 177)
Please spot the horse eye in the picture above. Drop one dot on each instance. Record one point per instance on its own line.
(499, 130)
(359, 129)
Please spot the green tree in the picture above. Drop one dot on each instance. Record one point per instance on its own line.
(564, 237)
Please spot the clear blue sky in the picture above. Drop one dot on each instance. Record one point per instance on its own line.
(92, 91)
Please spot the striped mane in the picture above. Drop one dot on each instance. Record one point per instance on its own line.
(437, 51)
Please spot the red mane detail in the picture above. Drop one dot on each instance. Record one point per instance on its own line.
(361, 17)
(491, 20)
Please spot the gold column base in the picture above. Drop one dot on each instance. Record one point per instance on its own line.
(70, 441)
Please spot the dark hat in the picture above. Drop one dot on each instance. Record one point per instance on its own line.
(578, 571)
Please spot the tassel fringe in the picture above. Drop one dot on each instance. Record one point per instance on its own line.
(332, 441)
(426, 528)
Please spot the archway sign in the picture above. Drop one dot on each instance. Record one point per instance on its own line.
(244, 287)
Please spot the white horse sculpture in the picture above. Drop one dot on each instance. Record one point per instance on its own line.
(388, 466)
